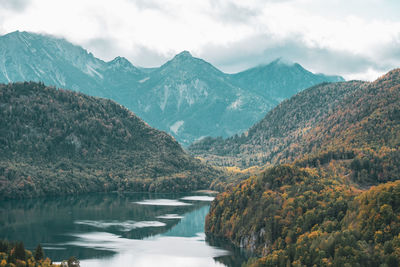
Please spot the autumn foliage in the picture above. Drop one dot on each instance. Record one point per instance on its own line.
(316, 206)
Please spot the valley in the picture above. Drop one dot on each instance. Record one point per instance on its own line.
(306, 165)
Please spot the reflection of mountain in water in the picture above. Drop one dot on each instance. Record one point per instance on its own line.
(191, 225)
(53, 221)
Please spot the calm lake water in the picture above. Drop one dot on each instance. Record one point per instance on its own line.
(136, 229)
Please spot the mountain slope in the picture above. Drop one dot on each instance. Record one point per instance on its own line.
(291, 216)
(319, 210)
(187, 97)
(27, 56)
(280, 80)
(191, 98)
(268, 140)
(56, 141)
(350, 116)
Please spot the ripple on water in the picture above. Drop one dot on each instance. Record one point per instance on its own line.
(162, 202)
(199, 198)
(170, 216)
(125, 226)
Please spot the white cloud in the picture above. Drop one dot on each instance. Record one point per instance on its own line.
(232, 34)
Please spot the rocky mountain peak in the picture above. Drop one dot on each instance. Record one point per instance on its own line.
(184, 54)
(121, 63)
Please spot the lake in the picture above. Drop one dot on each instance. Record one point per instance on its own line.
(131, 229)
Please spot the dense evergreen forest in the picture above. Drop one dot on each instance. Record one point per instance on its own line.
(316, 206)
(54, 141)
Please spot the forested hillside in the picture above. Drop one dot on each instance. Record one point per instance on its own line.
(355, 121)
(56, 141)
(293, 216)
(319, 208)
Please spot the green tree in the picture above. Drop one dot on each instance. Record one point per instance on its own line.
(39, 254)
(20, 251)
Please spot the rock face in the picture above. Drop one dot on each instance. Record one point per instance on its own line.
(58, 142)
(187, 97)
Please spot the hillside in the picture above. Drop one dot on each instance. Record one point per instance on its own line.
(318, 208)
(55, 141)
(186, 97)
(291, 216)
(345, 120)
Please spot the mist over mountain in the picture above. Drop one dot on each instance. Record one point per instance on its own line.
(187, 96)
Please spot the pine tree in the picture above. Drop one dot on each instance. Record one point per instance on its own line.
(39, 254)
(20, 251)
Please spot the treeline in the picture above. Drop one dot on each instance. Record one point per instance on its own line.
(15, 255)
(294, 216)
(60, 142)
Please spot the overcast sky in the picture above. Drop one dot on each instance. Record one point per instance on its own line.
(358, 39)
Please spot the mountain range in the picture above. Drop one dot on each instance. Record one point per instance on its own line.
(350, 116)
(187, 96)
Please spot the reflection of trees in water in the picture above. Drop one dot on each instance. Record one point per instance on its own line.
(237, 256)
(51, 220)
(191, 224)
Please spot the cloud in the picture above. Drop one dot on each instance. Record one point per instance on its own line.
(15, 5)
(145, 56)
(262, 49)
(104, 48)
(231, 12)
(336, 37)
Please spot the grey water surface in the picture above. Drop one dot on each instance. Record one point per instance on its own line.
(132, 229)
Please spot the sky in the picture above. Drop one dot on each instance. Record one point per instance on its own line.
(358, 39)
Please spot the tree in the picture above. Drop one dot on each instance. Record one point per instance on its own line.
(73, 262)
(20, 251)
(39, 254)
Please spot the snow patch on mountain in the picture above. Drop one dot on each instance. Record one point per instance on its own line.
(92, 72)
(176, 126)
(165, 97)
(236, 104)
(144, 80)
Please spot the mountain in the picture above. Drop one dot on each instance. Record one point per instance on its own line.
(280, 79)
(187, 97)
(190, 98)
(267, 141)
(56, 142)
(319, 208)
(349, 116)
(27, 56)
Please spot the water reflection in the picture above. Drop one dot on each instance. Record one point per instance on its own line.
(112, 229)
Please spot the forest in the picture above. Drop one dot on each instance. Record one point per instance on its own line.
(294, 216)
(330, 199)
(14, 254)
(54, 141)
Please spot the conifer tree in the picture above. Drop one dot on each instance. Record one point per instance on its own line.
(39, 254)
(20, 251)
